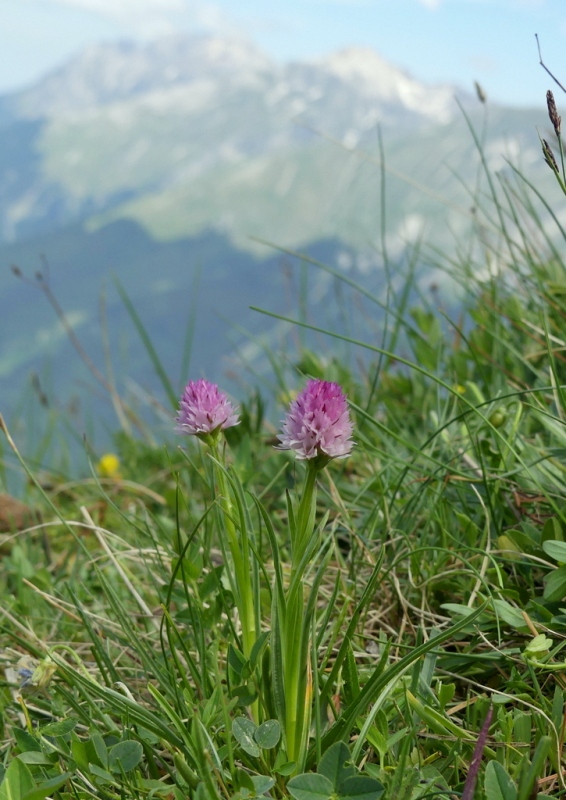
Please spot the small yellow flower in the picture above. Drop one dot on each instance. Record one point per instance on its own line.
(109, 466)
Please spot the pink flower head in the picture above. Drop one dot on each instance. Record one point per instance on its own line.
(204, 409)
(318, 423)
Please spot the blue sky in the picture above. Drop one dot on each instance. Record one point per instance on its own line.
(456, 41)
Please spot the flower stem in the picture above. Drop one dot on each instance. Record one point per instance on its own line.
(296, 657)
(305, 516)
(240, 552)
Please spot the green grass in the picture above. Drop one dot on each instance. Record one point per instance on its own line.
(435, 634)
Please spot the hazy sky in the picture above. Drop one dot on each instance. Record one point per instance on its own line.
(457, 41)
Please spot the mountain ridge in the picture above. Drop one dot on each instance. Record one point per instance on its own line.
(110, 72)
(190, 152)
(188, 133)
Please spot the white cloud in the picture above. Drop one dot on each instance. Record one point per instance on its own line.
(149, 18)
(434, 4)
(364, 3)
(123, 8)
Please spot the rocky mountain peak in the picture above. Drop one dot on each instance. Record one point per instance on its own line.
(377, 78)
(110, 72)
(363, 64)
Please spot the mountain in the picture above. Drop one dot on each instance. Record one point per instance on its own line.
(186, 134)
(204, 285)
(106, 74)
(147, 159)
(163, 123)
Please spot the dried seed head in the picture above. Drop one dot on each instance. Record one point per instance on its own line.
(549, 156)
(482, 97)
(553, 112)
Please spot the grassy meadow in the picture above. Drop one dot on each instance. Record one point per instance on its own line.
(212, 618)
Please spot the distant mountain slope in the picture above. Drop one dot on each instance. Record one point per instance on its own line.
(319, 189)
(164, 281)
(148, 160)
(124, 128)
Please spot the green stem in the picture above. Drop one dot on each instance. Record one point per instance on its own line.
(240, 552)
(293, 670)
(305, 515)
(297, 688)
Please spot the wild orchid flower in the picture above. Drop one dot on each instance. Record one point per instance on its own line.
(318, 428)
(318, 424)
(205, 410)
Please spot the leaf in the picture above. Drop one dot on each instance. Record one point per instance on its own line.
(509, 614)
(497, 783)
(59, 728)
(376, 739)
(268, 734)
(361, 788)
(17, 781)
(125, 756)
(47, 787)
(259, 646)
(102, 774)
(556, 550)
(78, 751)
(458, 608)
(552, 530)
(430, 780)
(244, 781)
(513, 551)
(26, 741)
(100, 750)
(286, 768)
(350, 676)
(310, 786)
(32, 757)
(236, 660)
(262, 783)
(332, 765)
(445, 692)
(555, 587)
(244, 730)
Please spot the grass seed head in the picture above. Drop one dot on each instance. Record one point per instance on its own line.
(553, 112)
(549, 156)
(482, 97)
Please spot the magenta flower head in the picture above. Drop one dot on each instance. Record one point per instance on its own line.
(318, 424)
(205, 410)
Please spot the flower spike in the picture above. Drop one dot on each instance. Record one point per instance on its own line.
(205, 410)
(318, 423)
